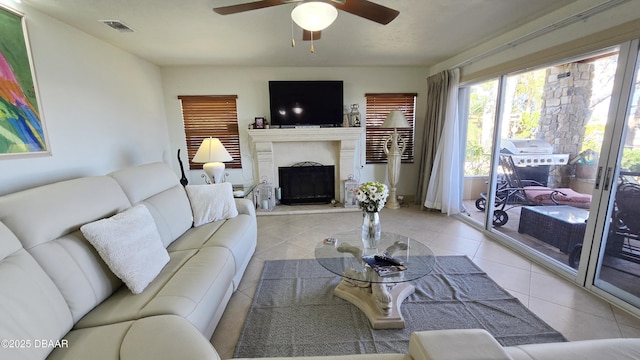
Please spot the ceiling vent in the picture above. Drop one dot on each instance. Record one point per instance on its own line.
(117, 24)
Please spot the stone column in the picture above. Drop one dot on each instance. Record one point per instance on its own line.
(565, 113)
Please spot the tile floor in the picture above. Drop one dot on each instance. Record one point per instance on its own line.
(571, 310)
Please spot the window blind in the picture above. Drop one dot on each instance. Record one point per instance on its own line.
(378, 107)
(211, 116)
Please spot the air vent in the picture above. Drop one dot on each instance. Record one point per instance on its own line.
(117, 24)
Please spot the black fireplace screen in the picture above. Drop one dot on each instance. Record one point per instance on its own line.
(307, 184)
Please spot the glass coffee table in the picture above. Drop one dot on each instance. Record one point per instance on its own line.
(379, 297)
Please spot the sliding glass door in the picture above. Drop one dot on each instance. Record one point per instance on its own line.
(553, 166)
(613, 255)
(550, 129)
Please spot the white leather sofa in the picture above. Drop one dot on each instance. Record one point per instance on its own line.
(59, 300)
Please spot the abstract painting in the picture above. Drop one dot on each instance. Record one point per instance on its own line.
(22, 130)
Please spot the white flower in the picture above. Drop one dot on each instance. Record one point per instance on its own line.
(372, 196)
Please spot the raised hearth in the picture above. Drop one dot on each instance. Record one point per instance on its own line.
(284, 147)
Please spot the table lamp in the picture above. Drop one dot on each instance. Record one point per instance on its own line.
(212, 153)
(394, 120)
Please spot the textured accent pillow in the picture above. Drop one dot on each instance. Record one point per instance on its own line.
(211, 202)
(130, 244)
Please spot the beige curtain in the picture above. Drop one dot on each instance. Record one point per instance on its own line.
(437, 89)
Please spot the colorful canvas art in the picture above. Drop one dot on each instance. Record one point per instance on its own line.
(21, 125)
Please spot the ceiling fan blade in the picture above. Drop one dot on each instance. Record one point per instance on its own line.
(234, 9)
(306, 35)
(368, 10)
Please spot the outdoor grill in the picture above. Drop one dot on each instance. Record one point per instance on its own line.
(532, 158)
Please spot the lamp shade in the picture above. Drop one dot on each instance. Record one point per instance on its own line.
(395, 119)
(314, 15)
(211, 150)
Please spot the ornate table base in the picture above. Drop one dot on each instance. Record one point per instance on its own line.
(379, 301)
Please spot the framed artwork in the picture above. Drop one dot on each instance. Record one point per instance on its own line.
(260, 123)
(22, 130)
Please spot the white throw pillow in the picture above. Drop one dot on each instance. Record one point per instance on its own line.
(211, 202)
(130, 244)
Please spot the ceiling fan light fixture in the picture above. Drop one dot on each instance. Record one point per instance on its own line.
(314, 15)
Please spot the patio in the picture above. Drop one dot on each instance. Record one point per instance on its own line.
(618, 271)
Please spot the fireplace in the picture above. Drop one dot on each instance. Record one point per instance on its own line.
(307, 183)
(331, 146)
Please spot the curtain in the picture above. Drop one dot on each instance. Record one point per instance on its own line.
(434, 122)
(442, 170)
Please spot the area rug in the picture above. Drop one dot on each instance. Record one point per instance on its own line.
(294, 312)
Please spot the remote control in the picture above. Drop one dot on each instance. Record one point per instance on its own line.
(387, 259)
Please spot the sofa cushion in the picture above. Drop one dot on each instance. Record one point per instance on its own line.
(59, 209)
(211, 202)
(619, 349)
(158, 187)
(129, 243)
(194, 285)
(238, 235)
(153, 338)
(457, 344)
(32, 307)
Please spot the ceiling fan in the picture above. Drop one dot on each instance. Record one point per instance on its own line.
(362, 8)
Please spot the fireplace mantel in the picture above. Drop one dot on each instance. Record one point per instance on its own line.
(347, 138)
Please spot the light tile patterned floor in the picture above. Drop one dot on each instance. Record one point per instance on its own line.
(571, 310)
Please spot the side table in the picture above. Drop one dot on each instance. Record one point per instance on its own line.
(561, 226)
(243, 191)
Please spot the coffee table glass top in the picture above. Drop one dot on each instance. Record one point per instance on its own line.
(342, 253)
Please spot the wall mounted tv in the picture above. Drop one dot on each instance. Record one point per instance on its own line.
(306, 103)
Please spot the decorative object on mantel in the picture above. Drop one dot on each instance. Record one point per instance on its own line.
(212, 153)
(354, 116)
(371, 196)
(394, 120)
(265, 198)
(183, 179)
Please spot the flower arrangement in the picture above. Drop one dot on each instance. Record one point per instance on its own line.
(372, 196)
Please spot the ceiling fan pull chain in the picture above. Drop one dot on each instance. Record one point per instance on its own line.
(312, 49)
(293, 40)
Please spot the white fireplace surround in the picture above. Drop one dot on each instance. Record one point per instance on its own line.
(285, 147)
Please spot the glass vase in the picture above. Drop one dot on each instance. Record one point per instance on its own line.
(370, 229)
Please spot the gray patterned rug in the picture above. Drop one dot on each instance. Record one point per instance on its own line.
(294, 312)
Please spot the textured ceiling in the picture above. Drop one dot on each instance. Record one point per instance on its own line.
(188, 32)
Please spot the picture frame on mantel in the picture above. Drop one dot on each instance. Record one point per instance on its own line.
(260, 122)
(22, 128)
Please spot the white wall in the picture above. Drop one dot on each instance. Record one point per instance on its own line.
(103, 108)
(251, 86)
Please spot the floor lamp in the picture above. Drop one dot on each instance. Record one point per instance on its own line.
(212, 153)
(394, 120)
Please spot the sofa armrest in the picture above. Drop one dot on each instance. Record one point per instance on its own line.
(165, 337)
(245, 206)
(461, 344)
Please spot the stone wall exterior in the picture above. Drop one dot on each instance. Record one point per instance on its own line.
(565, 112)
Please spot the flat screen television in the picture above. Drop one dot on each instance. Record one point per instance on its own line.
(306, 103)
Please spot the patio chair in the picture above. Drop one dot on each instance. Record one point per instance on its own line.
(624, 231)
(512, 190)
(624, 240)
